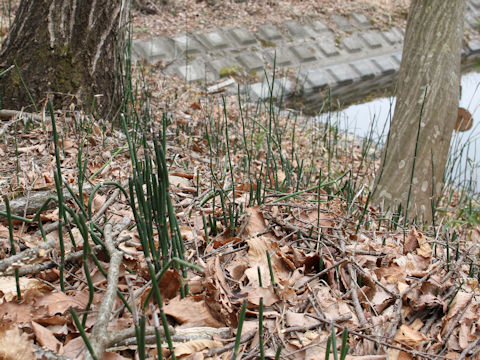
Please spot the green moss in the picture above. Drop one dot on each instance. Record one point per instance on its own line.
(229, 71)
(266, 43)
(140, 30)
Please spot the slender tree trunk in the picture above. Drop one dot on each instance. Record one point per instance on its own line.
(65, 50)
(417, 148)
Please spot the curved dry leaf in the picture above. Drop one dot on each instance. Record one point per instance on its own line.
(408, 335)
(236, 268)
(392, 274)
(58, 303)
(74, 349)
(257, 257)
(298, 319)
(461, 300)
(8, 286)
(15, 345)
(256, 221)
(268, 295)
(46, 338)
(169, 284)
(190, 313)
(178, 181)
(382, 299)
(411, 242)
(193, 346)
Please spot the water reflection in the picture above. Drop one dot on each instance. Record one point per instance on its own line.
(375, 116)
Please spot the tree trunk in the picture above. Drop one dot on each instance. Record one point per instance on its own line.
(417, 148)
(65, 50)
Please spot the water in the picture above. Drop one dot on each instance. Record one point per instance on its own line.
(375, 116)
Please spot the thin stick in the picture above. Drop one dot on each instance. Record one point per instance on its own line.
(98, 337)
(34, 269)
(353, 289)
(243, 339)
(316, 276)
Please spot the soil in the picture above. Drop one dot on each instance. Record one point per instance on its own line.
(199, 16)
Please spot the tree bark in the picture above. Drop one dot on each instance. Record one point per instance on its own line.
(65, 50)
(414, 158)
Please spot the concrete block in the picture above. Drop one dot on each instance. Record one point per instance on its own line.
(361, 20)
(316, 79)
(400, 32)
(281, 56)
(251, 61)
(372, 39)
(269, 32)
(296, 30)
(391, 37)
(384, 64)
(192, 72)
(397, 57)
(304, 53)
(472, 21)
(342, 74)
(153, 50)
(351, 44)
(215, 40)
(474, 46)
(243, 36)
(262, 90)
(475, 4)
(319, 27)
(363, 68)
(224, 66)
(328, 47)
(186, 45)
(342, 23)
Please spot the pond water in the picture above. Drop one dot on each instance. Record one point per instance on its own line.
(375, 117)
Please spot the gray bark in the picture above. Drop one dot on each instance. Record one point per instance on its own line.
(426, 109)
(65, 50)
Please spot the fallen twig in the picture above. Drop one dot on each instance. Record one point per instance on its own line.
(353, 290)
(98, 336)
(371, 338)
(31, 204)
(455, 321)
(316, 276)
(243, 339)
(8, 265)
(469, 349)
(34, 269)
(8, 114)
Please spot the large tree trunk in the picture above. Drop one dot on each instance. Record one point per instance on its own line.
(66, 50)
(426, 109)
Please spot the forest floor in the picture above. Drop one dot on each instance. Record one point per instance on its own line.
(272, 210)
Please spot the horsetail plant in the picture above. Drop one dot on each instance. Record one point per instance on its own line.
(241, 320)
(12, 245)
(83, 334)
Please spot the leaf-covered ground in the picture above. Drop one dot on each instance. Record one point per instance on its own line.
(272, 206)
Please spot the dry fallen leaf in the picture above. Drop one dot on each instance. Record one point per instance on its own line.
(8, 286)
(15, 345)
(193, 346)
(256, 221)
(254, 295)
(177, 181)
(409, 335)
(190, 313)
(58, 303)
(46, 339)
